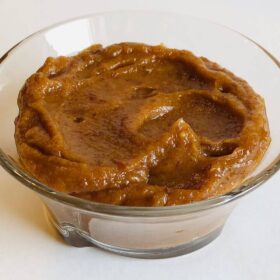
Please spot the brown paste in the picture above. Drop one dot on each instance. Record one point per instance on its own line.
(132, 124)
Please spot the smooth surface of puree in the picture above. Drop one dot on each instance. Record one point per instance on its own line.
(132, 124)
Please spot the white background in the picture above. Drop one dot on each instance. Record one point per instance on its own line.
(249, 247)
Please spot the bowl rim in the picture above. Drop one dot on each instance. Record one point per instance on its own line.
(247, 186)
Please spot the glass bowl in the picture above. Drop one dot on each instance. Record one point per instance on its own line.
(144, 232)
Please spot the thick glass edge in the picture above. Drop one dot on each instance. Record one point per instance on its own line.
(246, 187)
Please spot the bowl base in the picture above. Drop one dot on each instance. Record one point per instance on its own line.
(79, 238)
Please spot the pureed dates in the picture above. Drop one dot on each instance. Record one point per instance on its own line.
(139, 125)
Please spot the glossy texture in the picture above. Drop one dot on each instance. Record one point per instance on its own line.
(133, 124)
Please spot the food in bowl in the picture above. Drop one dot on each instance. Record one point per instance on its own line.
(139, 125)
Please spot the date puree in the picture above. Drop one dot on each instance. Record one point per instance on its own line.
(133, 124)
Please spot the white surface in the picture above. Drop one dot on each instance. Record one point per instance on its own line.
(249, 247)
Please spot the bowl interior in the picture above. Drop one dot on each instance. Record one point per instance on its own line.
(228, 48)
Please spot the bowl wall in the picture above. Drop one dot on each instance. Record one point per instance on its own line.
(141, 237)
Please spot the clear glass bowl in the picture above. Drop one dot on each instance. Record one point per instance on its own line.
(139, 231)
